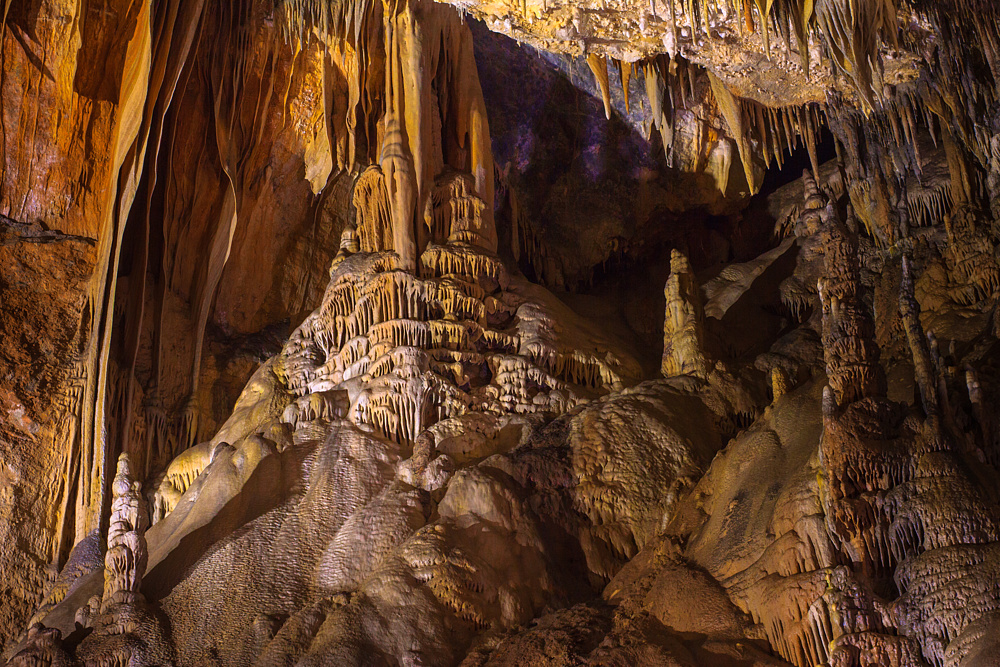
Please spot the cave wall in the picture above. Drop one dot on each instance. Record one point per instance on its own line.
(255, 240)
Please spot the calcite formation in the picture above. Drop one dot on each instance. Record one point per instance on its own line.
(692, 362)
(683, 328)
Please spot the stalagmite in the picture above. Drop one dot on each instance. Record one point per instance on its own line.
(780, 384)
(848, 333)
(125, 561)
(683, 345)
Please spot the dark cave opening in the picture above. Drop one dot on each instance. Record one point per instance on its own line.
(794, 164)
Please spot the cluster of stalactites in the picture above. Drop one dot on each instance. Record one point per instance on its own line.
(525, 241)
(768, 133)
(877, 129)
(955, 93)
(887, 136)
(302, 20)
(852, 31)
(970, 256)
(372, 205)
(456, 213)
(670, 83)
(962, 91)
(599, 66)
(758, 130)
(782, 130)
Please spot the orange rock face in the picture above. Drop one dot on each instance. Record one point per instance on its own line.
(44, 298)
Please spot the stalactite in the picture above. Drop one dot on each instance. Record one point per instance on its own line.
(764, 12)
(599, 66)
(625, 75)
(852, 31)
(732, 112)
(526, 243)
(395, 160)
(136, 104)
(660, 105)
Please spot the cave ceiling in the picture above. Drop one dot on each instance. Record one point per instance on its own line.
(499, 332)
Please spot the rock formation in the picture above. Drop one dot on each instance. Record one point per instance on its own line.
(683, 337)
(361, 333)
